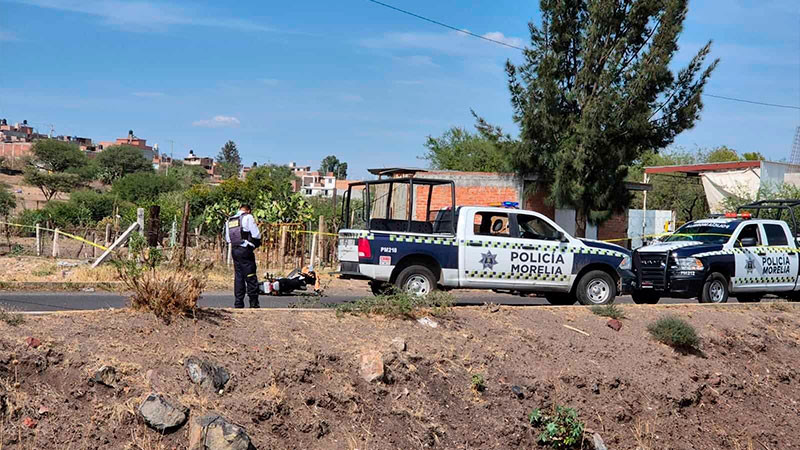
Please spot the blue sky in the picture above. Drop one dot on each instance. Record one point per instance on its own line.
(296, 81)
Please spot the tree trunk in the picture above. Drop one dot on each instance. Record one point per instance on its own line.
(580, 223)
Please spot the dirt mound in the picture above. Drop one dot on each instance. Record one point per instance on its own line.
(296, 378)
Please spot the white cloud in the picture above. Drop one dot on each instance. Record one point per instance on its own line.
(416, 60)
(144, 15)
(270, 81)
(350, 98)
(217, 122)
(450, 42)
(146, 94)
(498, 36)
(7, 36)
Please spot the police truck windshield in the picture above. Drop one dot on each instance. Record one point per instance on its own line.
(705, 232)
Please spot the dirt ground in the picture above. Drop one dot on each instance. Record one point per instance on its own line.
(28, 197)
(296, 383)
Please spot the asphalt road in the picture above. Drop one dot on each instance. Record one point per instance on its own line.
(76, 301)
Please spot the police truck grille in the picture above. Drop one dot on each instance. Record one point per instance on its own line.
(651, 269)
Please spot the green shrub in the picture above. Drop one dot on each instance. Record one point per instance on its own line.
(610, 311)
(12, 319)
(398, 305)
(99, 204)
(66, 214)
(675, 332)
(478, 382)
(143, 187)
(560, 431)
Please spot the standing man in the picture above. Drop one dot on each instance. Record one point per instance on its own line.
(242, 233)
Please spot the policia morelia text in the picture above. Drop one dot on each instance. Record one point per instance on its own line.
(241, 231)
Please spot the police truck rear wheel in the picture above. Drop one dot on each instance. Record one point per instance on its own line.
(715, 290)
(560, 299)
(596, 288)
(645, 298)
(416, 280)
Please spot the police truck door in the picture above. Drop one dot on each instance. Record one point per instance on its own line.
(780, 261)
(541, 260)
(749, 271)
(486, 252)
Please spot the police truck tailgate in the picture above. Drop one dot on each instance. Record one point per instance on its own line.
(348, 247)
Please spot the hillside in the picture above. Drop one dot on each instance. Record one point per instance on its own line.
(297, 382)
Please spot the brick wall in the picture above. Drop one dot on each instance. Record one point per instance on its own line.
(615, 228)
(472, 189)
(14, 152)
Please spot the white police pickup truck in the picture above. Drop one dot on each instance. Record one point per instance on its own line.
(713, 259)
(472, 247)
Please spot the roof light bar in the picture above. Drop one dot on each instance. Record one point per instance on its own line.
(733, 215)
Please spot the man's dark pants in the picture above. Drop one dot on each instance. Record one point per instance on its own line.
(245, 280)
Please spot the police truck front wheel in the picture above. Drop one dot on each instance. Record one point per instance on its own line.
(416, 280)
(715, 289)
(596, 288)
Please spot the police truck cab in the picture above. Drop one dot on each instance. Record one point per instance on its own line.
(406, 233)
(738, 255)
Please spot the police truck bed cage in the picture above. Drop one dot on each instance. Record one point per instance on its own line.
(385, 220)
(779, 206)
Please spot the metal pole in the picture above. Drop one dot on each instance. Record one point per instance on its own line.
(38, 240)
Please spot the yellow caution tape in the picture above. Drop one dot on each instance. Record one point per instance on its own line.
(77, 238)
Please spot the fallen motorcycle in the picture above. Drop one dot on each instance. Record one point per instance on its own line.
(297, 280)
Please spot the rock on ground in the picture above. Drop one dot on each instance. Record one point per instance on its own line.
(372, 366)
(106, 375)
(207, 374)
(214, 432)
(398, 344)
(161, 415)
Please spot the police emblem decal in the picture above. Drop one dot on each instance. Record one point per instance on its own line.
(750, 264)
(488, 260)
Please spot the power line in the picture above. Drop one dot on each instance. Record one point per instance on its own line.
(446, 25)
(752, 102)
(441, 24)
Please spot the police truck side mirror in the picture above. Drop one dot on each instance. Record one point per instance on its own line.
(561, 237)
(748, 242)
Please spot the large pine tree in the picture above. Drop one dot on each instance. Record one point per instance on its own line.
(596, 91)
(229, 160)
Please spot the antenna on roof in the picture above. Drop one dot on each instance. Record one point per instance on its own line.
(795, 159)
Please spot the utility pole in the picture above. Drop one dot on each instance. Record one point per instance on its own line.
(171, 149)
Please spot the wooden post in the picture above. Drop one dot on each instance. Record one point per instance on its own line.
(140, 220)
(55, 243)
(107, 240)
(38, 240)
(184, 241)
(321, 240)
(154, 226)
(94, 241)
(120, 240)
(228, 254)
(282, 249)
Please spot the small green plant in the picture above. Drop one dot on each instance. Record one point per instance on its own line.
(16, 250)
(611, 311)
(12, 319)
(675, 332)
(478, 382)
(560, 431)
(44, 271)
(398, 305)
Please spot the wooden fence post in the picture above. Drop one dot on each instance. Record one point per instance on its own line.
(94, 241)
(38, 240)
(107, 240)
(321, 241)
(228, 254)
(55, 243)
(153, 232)
(184, 234)
(140, 220)
(282, 248)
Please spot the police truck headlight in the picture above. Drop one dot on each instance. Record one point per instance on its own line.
(689, 264)
(625, 264)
